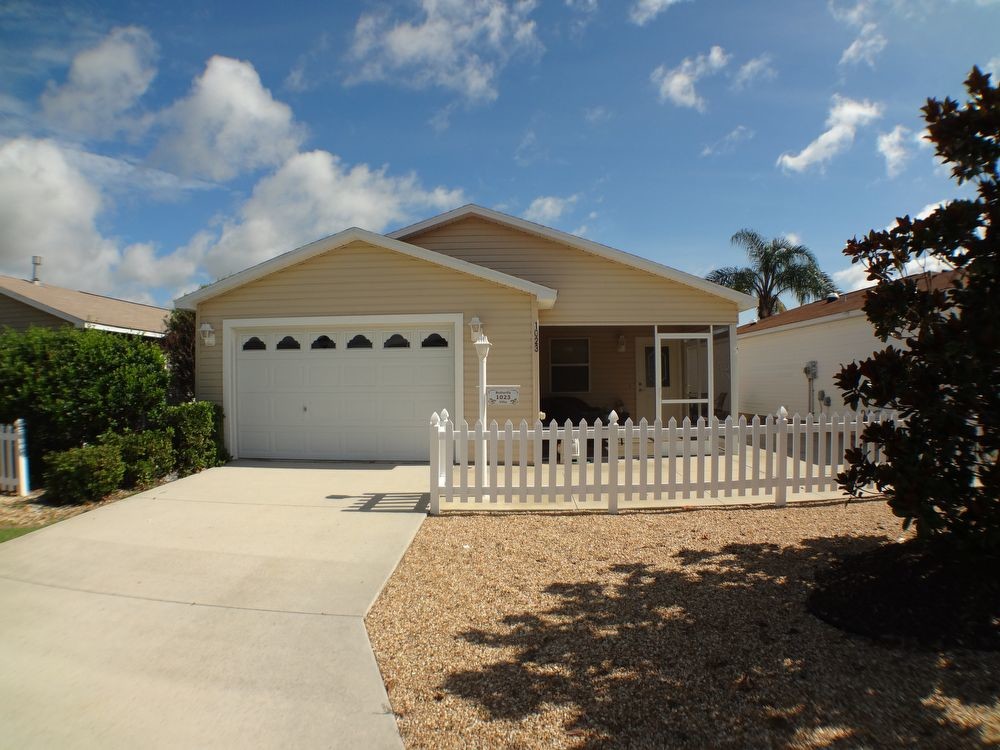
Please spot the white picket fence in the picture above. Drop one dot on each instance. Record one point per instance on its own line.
(614, 466)
(14, 458)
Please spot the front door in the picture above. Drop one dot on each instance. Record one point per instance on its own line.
(645, 368)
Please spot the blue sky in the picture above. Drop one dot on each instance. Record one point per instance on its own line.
(148, 148)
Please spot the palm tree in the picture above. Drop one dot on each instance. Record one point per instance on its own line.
(776, 266)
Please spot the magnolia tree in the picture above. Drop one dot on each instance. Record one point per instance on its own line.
(940, 467)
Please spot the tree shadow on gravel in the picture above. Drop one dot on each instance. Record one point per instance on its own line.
(720, 652)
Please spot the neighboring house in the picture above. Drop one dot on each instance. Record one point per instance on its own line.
(343, 348)
(777, 352)
(27, 303)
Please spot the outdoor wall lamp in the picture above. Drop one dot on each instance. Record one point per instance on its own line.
(207, 334)
(476, 327)
(621, 344)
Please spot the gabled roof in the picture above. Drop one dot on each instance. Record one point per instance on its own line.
(86, 310)
(842, 306)
(546, 297)
(744, 301)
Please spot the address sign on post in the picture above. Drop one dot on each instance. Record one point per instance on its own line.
(503, 395)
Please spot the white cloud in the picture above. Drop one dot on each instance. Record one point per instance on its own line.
(892, 146)
(585, 11)
(48, 208)
(644, 11)
(678, 84)
(228, 124)
(993, 68)
(729, 141)
(794, 237)
(598, 114)
(548, 208)
(856, 277)
(868, 45)
(853, 15)
(846, 116)
(459, 45)
(528, 151)
(105, 82)
(757, 68)
(313, 195)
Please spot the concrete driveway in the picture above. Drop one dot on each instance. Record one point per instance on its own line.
(222, 610)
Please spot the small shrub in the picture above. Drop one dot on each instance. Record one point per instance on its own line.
(197, 427)
(82, 474)
(148, 456)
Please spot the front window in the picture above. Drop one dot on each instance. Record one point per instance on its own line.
(569, 365)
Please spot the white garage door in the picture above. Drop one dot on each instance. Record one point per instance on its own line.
(338, 393)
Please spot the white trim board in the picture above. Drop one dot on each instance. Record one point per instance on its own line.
(231, 326)
(832, 318)
(743, 301)
(546, 296)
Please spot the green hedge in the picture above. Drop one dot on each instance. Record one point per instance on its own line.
(72, 385)
(148, 455)
(197, 429)
(81, 474)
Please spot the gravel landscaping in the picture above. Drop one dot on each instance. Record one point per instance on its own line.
(684, 628)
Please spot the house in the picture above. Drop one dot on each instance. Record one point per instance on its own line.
(30, 303)
(790, 359)
(343, 348)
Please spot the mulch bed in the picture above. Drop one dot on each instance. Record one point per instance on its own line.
(685, 629)
(925, 595)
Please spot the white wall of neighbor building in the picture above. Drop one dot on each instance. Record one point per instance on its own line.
(772, 362)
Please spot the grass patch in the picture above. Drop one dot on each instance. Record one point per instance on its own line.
(6, 534)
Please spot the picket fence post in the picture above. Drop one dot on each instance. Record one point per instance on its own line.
(613, 463)
(437, 474)
(781, 466)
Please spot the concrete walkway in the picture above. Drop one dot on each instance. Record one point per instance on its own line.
(222, 610)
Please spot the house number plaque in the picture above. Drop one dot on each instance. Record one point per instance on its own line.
(503, 395)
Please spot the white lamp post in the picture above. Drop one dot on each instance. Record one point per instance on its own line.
(483, 350)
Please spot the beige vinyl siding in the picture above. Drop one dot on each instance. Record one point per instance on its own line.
(360, 279)
(771, 364)
(20, 316)
(591, 289)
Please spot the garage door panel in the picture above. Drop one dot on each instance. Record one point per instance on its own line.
(289, 443)
(359, 404)
(395, 409)
(408, 443)
(254, 411)
(360, 371)
(253, 376)
(255, 442)
(288, 409)
(289, 375)
(321, 375)
(323, 410)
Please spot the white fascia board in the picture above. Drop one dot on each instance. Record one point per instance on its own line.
(744, 301)
(805, 323)
(119, 329)
(78, 322)
(546, 296)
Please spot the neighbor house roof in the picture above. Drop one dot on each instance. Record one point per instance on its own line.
(546, 297)
(744, 301)
(87, 310)
(842, 306)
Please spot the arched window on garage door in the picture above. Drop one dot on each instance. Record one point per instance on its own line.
(360, 341)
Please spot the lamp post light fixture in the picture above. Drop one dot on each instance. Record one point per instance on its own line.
(476, 328)
(207, 334)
